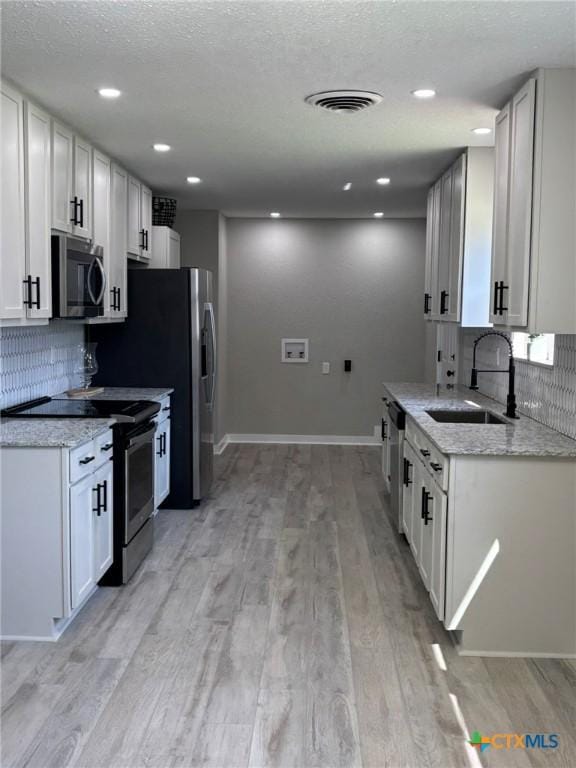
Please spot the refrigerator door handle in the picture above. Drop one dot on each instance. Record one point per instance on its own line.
(211, 329)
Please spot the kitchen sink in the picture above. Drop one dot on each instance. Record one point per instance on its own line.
(465, 417)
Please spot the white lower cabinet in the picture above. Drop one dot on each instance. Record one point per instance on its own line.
(493, 539)
(57, 534)
(82, 575)
(162, 454)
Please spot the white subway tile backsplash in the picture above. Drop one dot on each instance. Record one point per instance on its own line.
(38, 360)
(547, 394)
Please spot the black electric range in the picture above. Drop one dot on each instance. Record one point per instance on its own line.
(133, 459)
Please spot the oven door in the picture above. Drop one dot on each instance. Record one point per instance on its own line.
(139, 480)
(81, 277)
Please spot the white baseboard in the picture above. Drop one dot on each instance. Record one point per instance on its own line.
(221, 446)
(302, 439)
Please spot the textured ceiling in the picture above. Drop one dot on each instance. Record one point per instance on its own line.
(224, 82)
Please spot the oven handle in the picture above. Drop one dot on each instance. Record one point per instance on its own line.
(142, 438)
(103, 274)
(89, 281)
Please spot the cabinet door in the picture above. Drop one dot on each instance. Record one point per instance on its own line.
(102, 521)
(426, 537)
(500, 215)
(453, 301)
(173, 250)
(417, 487)
(443, 270)
(101, 216)
(429, 253)
(520, 205)
(62, 202)
(118, 242)
(38, 209)
(146, 220)
(83, 188)
(408, 463)
(82, 503)
(385, 448)
(161, 462)
(13, 255)
(135, 240)
(437, 508)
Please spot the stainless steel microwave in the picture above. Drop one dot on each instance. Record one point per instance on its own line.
(78, 278)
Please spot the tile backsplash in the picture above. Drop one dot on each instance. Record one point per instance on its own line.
(546, 394)
(39, 360)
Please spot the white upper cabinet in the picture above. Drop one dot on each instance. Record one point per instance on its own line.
(71, 183)
(25, 263)
(139, 220)
(458, 241)
(12, 258)
(82, 188)
(165, 248)
(117, 285)
(62, 153)
(37, 206)
(534, 239)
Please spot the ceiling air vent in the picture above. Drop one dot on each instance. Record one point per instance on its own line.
(344, 102)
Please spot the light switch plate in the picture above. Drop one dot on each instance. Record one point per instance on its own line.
(325, 367)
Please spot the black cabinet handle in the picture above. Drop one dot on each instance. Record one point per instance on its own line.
(501, 307)
(36, 301)
(424, 452)
(164, 443)
(495, 303)
(159, 452)
(74, 204)
(435, 466)
(426, 516)
(407, 466)
(383, 430)
(105, 492)
(107, 447)
(449, 373)
(98, 501)
(87, 460)
(28, 283)
(146, 240)
(443, 296)
(427, 298)
(142, 239)
(166, 408)
(119, 300)
(81, 206)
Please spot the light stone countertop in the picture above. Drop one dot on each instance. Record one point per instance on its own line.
(124, 393)
(50, 433)
(521, 437)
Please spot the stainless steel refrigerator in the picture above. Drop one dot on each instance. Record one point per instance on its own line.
(169, 340)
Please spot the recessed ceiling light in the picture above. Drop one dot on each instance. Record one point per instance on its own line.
(275, 215)
(162, 147)
(378, 215)
(193, 179)
(424, 93)
(383, 180)
(347, 186)
(109, 93)
(481, 131)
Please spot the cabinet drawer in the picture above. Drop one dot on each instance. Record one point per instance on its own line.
(103, 448)
(434, 461)
(82, 461)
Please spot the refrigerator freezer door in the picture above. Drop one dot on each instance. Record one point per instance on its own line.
(203, 379)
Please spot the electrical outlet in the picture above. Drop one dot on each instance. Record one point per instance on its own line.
(325, 367)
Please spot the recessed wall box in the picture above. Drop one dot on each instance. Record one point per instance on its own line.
(294, 350)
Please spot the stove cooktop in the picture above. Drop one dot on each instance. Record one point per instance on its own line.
(132, 411)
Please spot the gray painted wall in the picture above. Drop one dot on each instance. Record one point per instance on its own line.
(203, 244)
(354, 288)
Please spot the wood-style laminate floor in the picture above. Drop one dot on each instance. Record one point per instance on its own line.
(282, 623)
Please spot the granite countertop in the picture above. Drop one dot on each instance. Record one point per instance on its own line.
(518, 437)
(125, 393)
(50, 433)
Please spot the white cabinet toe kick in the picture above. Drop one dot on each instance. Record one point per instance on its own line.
(494, 538)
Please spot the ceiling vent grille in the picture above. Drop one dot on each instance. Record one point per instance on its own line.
(344, 102)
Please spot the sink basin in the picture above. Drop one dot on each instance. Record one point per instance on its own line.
(465, 417)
